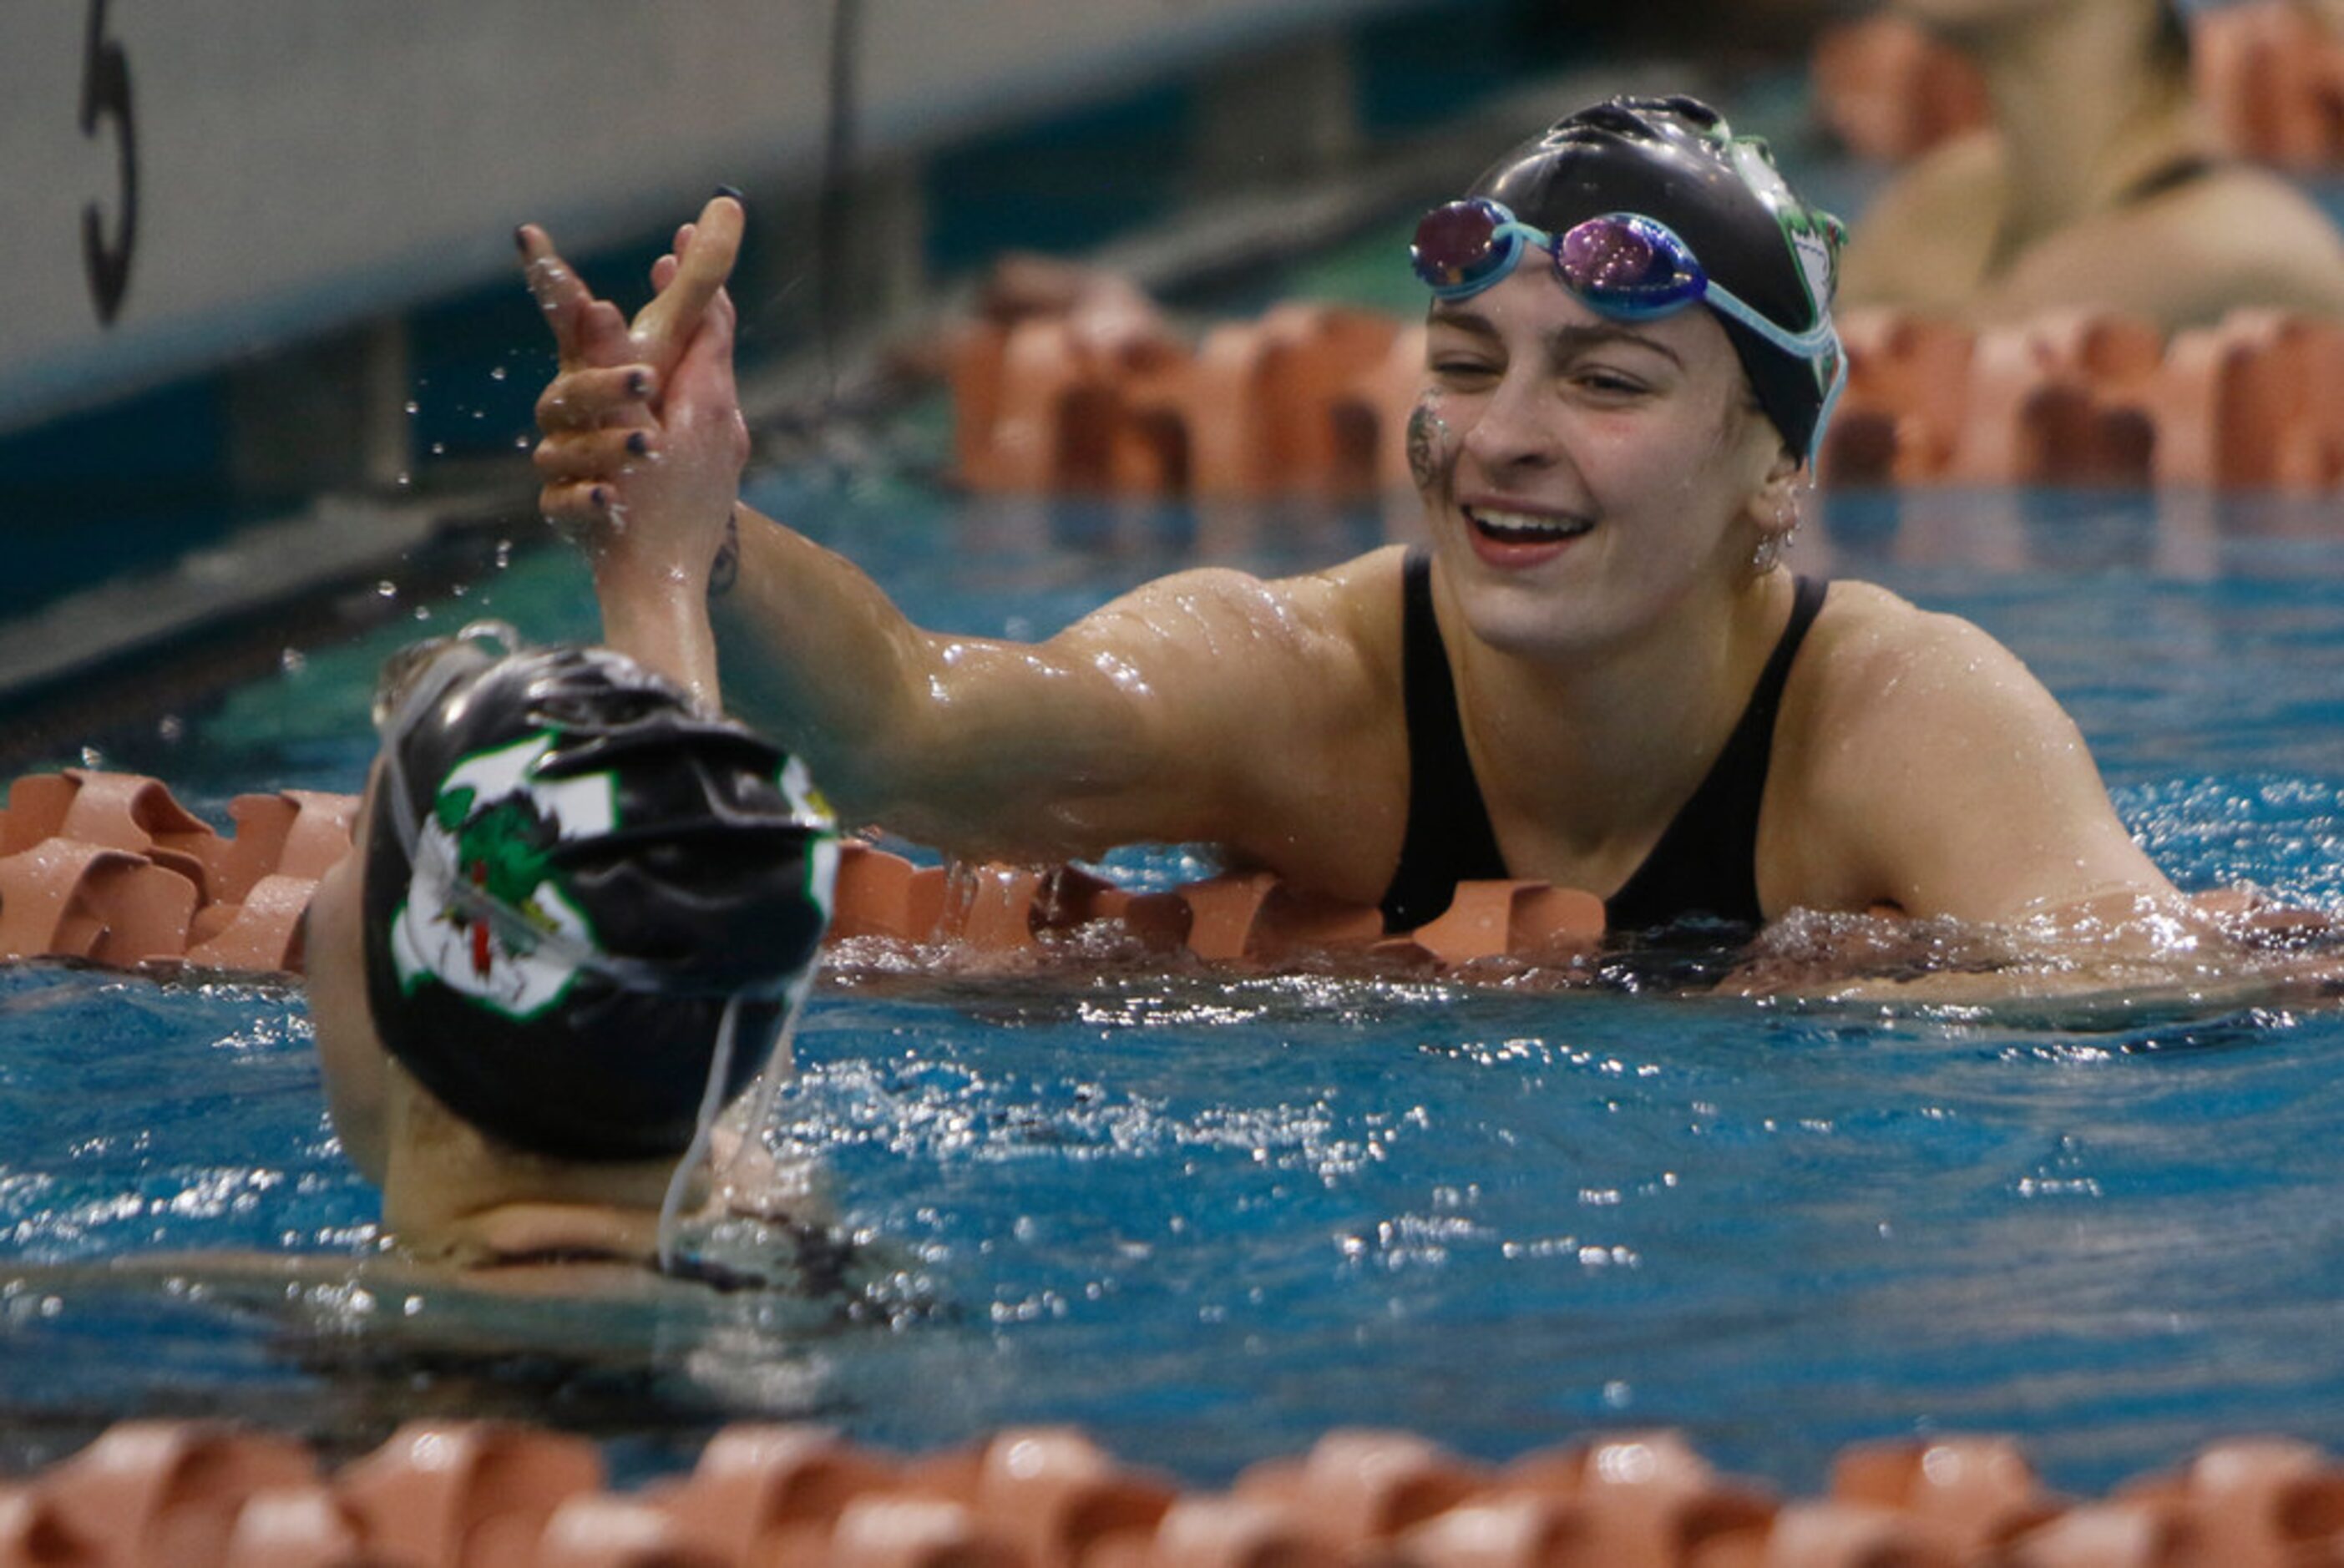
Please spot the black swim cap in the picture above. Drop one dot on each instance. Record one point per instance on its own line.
(1676, 160)
(592, 870)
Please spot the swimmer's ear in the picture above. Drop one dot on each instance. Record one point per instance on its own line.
(1777, 495)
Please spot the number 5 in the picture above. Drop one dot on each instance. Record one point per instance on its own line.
(105, 90)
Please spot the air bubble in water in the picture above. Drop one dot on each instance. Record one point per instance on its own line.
(504, 553)
(423, 613)
(91, 757)
(496, 372)
(404, 480)
(172, 729)
(292, 660)
(386, 589)
(413, 407)
(438, 448)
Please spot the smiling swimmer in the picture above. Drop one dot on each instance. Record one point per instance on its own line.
(576, 920)
(1639, 209)
(1596, 674)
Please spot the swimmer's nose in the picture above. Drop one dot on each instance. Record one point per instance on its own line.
(1516, 428)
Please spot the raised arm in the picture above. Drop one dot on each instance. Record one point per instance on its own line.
(1146, 720)
(1206, 706)
(644, 441)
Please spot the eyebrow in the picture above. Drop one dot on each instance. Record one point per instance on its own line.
(1563, 342)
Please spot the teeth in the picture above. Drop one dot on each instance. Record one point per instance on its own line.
(1529, 525)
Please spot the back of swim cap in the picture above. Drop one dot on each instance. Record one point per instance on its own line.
(1676, 160)
(598, 869)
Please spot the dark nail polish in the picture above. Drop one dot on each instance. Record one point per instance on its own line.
(601, 499)
(521, 238)
(638, 443)
(734, 192)
(637, 383)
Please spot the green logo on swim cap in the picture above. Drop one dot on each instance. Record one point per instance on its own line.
(503, 844)
(516, 943)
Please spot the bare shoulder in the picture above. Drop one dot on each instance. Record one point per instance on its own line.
(2236, 237)
(1920, 243)
(2251, 226)
(1924, 765)
(1883, 673)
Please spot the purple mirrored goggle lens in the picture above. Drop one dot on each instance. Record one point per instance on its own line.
(1620, 264)
(1625, 264)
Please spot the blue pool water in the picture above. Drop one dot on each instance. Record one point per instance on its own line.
(1210, 1216)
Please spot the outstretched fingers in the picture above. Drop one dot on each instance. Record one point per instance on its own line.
(704, 254)
(559, 292)
(587, 331)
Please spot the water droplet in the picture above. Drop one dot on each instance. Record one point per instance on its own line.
(462, 589)
(413, 407)
(292, 660)
(423, 613)
(496, 372)
(404, 480)
(438, 448)
(171, 729)
(386, 589)
(91, 757)
(504, 553)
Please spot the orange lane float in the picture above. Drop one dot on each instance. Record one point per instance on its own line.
(1310, 398)
(2271, 75)
(111, 869)
(1315, 400)
(192, 1494)
(2091, 397)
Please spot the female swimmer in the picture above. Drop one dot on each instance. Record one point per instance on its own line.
(1598, 676)
(2099, 183)
(575, 917)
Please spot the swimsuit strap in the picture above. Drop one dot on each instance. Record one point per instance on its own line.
(1706, 862)
(1449, 838)
(2187, 168)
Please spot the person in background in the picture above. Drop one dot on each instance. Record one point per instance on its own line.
(2099, 183)
(577, 917)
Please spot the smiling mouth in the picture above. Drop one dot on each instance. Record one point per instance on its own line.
(1523, 527)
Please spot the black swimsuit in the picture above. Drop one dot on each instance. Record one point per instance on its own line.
(1705, 863)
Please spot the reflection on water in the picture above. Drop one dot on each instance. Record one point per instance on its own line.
(1209, 1217)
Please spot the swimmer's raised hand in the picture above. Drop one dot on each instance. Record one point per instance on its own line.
(643, 439)
(609, 415)
(588, 331)
(645, 475)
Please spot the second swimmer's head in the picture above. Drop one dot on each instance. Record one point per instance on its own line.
(578, 912)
